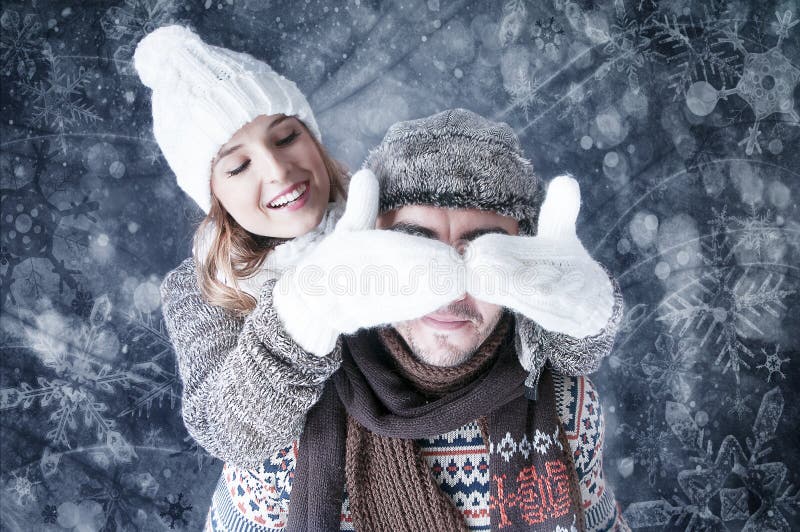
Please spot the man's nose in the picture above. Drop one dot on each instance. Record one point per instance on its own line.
(461, 246)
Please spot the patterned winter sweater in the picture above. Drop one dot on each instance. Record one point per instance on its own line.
(258, 499)
(248, 387)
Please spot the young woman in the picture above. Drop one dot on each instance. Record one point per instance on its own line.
(244, 145)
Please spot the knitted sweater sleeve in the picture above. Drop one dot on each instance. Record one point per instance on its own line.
(247, 386)
(581, 415)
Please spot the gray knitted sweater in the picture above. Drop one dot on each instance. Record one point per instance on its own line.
(247, 386)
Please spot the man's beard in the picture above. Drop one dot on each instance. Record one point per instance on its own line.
(446, 354)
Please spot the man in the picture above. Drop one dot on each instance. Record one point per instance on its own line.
(425, 425)
(498, 460)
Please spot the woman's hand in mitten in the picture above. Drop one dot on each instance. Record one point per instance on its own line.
(550, 277)
(363, 277)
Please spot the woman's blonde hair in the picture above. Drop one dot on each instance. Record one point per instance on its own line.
(238, 253)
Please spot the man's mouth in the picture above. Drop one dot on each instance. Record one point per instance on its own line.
(446, 322)
(291, 199)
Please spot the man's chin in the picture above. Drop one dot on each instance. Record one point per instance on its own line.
(445, 357)
(440, 347)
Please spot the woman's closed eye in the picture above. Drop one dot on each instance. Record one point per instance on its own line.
(239, 169)
(285, 141)
(288, 139)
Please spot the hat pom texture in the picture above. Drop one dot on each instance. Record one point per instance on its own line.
(156, 51)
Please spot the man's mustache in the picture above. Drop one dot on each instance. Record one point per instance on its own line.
(462, 309)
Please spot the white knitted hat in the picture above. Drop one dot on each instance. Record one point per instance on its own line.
(202, 95)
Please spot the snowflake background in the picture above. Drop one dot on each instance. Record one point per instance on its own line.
(679, 118)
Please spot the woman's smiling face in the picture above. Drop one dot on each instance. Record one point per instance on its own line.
(271, 177)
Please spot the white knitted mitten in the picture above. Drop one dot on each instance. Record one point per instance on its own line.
(549, 278)
(363, 277)
(289, 253)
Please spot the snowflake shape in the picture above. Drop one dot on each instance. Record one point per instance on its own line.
(507, 447)
(739, 404)
(20, 44)
(176, 511)
(773, 363)
(629, 47)
(767, 82)
(49, 514)
(524, 92)
(119, 496)
(754, 232)
(22, 488)
(669, 369)
(541, 442)
(722, 305)
(547, 36)
(57, 100)
(650, 444)
(83, 303)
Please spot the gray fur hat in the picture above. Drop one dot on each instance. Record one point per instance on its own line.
(457, 159)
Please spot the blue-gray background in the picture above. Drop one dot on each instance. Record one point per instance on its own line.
(678, 118)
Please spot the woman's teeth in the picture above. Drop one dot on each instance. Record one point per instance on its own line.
(288, 198)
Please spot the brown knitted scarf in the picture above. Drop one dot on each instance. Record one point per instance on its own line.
(361, 433)
(386, 476)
